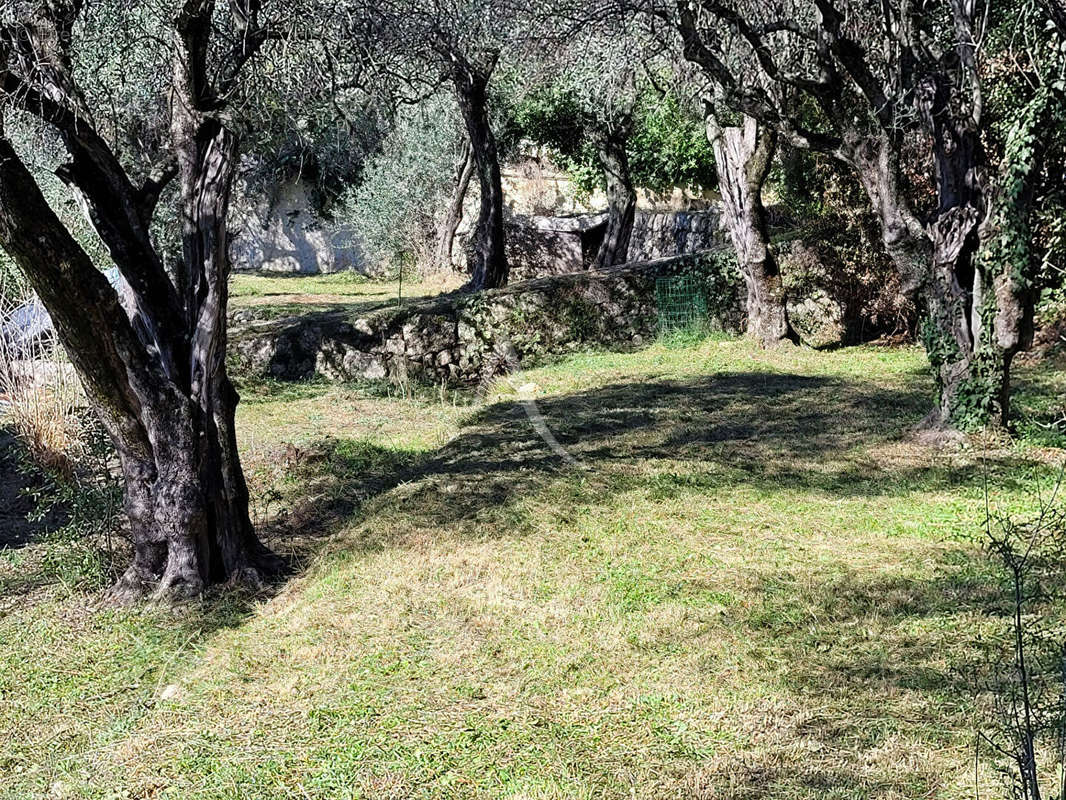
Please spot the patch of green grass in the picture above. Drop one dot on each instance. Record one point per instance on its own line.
(339, 283)
(755, 582)
(276, 296)
(1039, 405)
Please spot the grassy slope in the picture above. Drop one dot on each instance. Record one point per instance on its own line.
(757, 586)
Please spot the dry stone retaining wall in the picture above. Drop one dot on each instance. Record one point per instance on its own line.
(675, 233)
(465, 338)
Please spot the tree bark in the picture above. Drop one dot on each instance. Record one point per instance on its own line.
(621, 198)
(743, 158)
(156, 378)
(937, 264)
(984, 284)
(976, 296)
(454, 216)
(489, 268)
(975, 305)
(874, 160)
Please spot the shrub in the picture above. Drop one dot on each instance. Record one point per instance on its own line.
(85, 508)
(396, 211)
(1020, 685)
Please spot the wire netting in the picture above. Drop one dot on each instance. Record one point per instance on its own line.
(681, 302)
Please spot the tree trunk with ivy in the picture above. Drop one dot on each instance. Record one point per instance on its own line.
(156, 375)
(968, 265)
(975, 296)
(743, 156)
(984, 283)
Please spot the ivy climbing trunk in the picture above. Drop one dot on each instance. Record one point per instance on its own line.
(743, 158)
(984, 283)
(621, 196)
(969, 269)
(968, 272)
(489, 269)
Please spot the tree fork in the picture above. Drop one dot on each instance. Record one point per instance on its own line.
(157, 380)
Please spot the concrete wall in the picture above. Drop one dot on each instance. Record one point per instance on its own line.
(540, 246)
(281, 233)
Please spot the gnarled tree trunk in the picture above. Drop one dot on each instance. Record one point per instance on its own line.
(157, 377)
(743, 157)
(976, 300)
(975, 303)
(984, 283)
(621, 197)
(875, 162)
(489, 268)
(936, 263)
(454, 216)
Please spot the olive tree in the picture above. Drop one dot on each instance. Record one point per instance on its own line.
(743, 149)
(153, 368)
(884, 88)
(744, 154)
(405, 189)
(416, 46)
(580, 101)
(607, 106)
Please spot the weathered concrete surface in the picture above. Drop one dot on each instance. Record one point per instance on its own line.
(539, 246)
(279, 232)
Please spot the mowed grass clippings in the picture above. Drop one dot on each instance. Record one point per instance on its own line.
(755, 583)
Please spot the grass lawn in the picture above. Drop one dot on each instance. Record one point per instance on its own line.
(283, 295)
(752, 582)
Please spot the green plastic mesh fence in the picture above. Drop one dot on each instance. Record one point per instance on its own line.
(682, 302)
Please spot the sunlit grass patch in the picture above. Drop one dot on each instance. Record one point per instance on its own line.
(281, 295)
(760, 584)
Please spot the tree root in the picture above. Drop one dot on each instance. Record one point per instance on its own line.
(178, 589)
(131, 588)
(935, 431)
(136, 585)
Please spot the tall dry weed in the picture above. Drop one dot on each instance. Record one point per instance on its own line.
(41, 398)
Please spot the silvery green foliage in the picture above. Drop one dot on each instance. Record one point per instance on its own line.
(13, 286)
(122, 65)
(292, 119)
(396, 210)
(42, 152)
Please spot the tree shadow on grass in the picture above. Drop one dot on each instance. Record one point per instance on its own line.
(879, 667)
(769, 431)
(15, 529)
(853, 642)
